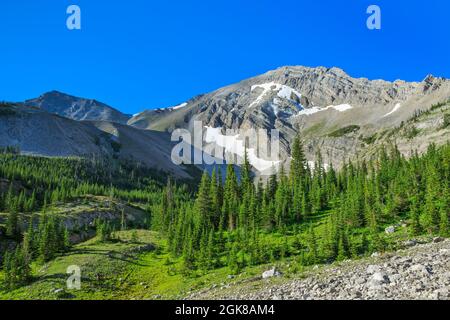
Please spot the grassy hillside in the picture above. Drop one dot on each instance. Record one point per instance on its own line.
(137, 265)
(120, 269)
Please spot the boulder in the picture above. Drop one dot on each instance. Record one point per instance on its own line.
(390, 230)
(373, 269)
(378, 279)
(420, 268)
(410, 243)
(271, 273)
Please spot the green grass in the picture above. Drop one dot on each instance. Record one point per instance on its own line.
(314, 130)
(446, 123)
(117, 271)
(114, 271)
(101, 265)
(369, 139)
(344, 131)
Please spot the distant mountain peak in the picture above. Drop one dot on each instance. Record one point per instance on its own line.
(56, 93)
(76, 108)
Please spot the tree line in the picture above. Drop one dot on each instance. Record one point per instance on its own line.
(34, 186)
(314, 214)
(41, 242)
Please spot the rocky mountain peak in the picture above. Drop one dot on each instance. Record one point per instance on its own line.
(76, 108)
(320, 103)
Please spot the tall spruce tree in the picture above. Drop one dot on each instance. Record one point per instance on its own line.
(203, 202)
(298, 163)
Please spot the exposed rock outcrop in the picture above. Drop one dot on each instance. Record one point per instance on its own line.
(314, 102)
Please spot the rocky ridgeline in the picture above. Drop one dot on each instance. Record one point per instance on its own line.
(319, 104)
(421, 272)
(76, 108)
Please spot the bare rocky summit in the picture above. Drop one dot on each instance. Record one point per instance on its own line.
(76, 108)
(281, 96)
(421, 272)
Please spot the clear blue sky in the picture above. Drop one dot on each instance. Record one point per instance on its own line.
(143, 54)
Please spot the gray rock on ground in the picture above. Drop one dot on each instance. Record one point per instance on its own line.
(421, 272)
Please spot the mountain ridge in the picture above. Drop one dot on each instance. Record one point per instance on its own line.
(310, 102)
(39, 133)
(319, 104)
(76, 108)
(33, 102)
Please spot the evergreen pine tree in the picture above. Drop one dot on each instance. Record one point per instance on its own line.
(416, 228)
(12, 222)
(203, 202)
(231, 198)
(298, 163)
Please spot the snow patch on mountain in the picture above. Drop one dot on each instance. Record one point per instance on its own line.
(313, 110)
(287, 93)
(180, 106)
(283, 92)
(274, 107)
(341, 107)
(232, 144)
(309, 111)
(396, 108)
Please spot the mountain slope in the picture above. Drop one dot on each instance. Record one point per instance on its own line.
(341, 116)
(76, 108)
(37, 132)
(40, 133)
(289, 93)
(314, 102)
(149, 147)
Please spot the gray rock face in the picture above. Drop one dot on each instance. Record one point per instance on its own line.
(37, 132)
(291, 90)
(417, 273)
(421, 269)
(76, 108)
(314, 102)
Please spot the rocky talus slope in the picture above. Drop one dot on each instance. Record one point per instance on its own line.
(421, 272)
